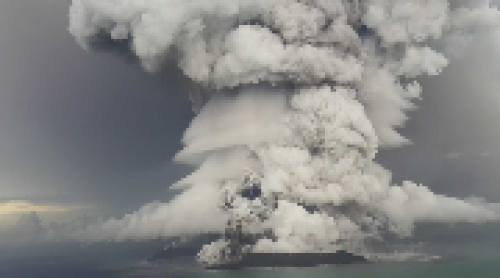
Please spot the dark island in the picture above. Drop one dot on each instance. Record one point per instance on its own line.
(253, 260)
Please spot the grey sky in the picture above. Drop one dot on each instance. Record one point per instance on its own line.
(77, 126)
(455, 131)
(92, 128)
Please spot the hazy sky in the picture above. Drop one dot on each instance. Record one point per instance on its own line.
(94, 130)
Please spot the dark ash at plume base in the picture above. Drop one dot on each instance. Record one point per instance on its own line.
(300, 96)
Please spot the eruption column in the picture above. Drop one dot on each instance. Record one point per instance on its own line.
(302, 94)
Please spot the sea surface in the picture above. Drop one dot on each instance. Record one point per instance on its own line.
(128, 260)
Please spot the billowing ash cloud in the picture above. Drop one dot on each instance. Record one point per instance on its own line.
(302, 94)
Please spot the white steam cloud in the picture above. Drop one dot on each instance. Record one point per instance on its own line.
(303, 95)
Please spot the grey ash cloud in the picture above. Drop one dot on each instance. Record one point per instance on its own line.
(93, 128)
(346, 72)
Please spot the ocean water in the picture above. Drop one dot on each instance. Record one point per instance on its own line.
(115, 260)
(472, 268)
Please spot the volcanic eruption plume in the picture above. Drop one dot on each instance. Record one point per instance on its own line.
(301, 94)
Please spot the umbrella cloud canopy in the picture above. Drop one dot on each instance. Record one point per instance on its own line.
(301, 95)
